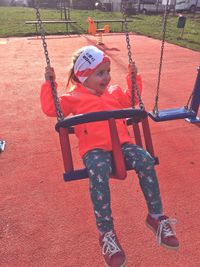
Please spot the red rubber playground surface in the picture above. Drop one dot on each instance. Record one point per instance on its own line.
(49, 223)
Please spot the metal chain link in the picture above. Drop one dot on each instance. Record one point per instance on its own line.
(164, 27)
(190, 100)
(60, 115)
(134, 84)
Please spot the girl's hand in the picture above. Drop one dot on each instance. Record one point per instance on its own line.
(132, 69)
(49, 73)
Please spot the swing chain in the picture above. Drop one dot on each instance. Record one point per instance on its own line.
(164, 27)
(42, 34)
(60, 115)
(189, 100)
(134, 84)
(188, 105)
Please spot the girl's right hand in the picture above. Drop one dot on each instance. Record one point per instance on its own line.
(49, 73)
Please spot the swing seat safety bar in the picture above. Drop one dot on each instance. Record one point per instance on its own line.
(101, 116)
(172, 114)
(65, 127)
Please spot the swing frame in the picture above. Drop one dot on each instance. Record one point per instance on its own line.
(134, 116)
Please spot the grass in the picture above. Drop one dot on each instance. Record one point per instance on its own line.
(13, 19)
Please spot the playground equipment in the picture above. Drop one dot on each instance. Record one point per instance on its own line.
(64, 126)
(65, 17)
(136, 117)
(190, 110)
(64, 10)
(92, 29)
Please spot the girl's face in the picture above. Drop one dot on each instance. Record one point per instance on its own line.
(99, 79)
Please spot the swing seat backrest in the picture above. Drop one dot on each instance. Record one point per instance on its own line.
(135, 116)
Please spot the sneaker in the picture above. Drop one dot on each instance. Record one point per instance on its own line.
(163, 229)
(113, 253)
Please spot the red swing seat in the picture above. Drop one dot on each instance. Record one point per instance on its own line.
(135, 116)
(65, 126)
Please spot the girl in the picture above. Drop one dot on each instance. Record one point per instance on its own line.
(90, 77)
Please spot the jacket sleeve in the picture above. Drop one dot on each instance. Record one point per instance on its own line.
(124, 97)
(47, 101)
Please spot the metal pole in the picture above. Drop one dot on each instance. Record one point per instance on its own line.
(195, 99)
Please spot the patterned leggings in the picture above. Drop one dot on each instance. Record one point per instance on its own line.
(99, 165)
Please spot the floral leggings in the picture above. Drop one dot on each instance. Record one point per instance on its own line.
(99, 165)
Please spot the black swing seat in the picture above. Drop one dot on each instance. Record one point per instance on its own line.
(66, 127)
(172, 114)
(135, 114)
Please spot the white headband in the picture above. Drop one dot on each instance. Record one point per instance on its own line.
(88, 61)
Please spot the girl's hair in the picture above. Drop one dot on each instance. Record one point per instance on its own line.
(72, 79)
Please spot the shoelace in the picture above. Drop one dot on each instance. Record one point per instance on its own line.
(110, 246)
(165, 228)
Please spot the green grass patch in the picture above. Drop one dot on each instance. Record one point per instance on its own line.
(13, 24)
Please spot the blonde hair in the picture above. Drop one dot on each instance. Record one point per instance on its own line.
(72, 79)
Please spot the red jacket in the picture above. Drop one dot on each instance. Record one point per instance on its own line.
(81, 101)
